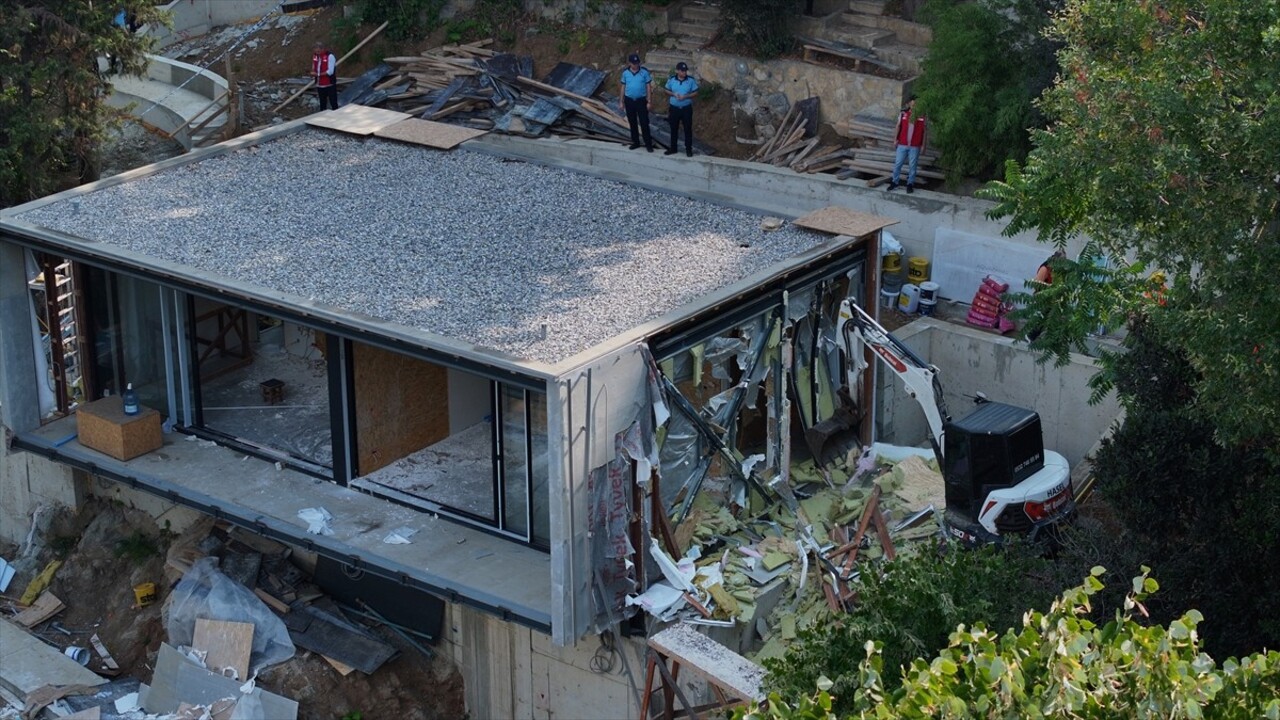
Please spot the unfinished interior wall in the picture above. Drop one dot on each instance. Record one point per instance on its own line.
(402, 405)
(513, 672)
(970, 360)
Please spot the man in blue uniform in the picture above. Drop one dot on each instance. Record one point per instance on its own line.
(682, 89)
(635, 94)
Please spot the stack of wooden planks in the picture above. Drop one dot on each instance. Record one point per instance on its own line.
(874, 159)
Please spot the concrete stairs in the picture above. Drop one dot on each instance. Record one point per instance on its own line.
(695, 24)
(899, 43)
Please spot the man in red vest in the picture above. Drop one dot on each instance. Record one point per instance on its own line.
(910, 140)
(324, 68)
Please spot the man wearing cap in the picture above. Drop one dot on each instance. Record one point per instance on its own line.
(682, 89)
(636, 93)
(324, 69)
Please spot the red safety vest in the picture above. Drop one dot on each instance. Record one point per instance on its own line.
(910, 132)
(321, 69)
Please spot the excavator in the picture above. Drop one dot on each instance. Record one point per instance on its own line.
(999, 478)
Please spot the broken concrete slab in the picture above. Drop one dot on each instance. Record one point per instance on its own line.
(177, 680)
(27, 663)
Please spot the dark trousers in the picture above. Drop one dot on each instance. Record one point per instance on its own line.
(638, 119)
(676, 117)
(328, 95)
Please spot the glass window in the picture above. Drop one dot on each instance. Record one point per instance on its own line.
(126, 333)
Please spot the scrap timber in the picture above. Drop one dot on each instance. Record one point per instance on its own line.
(479, 88)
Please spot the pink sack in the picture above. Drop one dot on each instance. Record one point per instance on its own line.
(980, 319)
(1005, 325)
(995, 285)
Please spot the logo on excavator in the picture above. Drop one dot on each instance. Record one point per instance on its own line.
(890, 358)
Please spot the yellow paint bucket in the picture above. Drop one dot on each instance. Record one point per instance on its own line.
(144, 593)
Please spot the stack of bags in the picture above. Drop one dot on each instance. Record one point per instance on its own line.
(987, 310)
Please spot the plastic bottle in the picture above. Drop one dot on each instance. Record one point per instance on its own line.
(130, 400)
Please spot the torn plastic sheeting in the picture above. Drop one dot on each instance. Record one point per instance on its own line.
(400, 536)
(660, 412)
(719, 351)
(609, 493)
(681, 574)
(681, 457)
(317, 520)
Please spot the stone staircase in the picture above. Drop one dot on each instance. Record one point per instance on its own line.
(899, 43)
(695, 24)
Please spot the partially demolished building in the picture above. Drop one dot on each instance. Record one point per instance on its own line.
(526, 372)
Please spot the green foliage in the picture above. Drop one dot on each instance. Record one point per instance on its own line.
(1207, 511)
(1162, 147)
(764, 27)
(406, 19)
(138, 548)
(52, 115)
(632, 23)
(988, 62)
(1060, 664)
(911, 609)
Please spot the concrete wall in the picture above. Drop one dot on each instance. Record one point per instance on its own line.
(197, 17)
(28, 482)
(513, 672)
(971, 361)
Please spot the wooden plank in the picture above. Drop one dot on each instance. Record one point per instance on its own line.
(45, 607)
(227, 644)
(271, 600)
(342, 668)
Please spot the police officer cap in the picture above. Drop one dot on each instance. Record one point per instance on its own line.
(681, 66)
(633, 58)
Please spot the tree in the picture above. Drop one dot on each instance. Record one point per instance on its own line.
(1063, 665)
(52, 113)
(988, 62)
(1163, 149)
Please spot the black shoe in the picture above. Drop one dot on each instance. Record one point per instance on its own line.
(669, 152)
(634, 146)
(649, 148)
(892, 186)
(688, 153)
(910, 188)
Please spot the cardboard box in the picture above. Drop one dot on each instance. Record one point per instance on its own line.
(104, 427)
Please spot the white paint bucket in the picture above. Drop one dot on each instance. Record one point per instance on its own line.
(929, 292)
(79, 654)
(888, 298)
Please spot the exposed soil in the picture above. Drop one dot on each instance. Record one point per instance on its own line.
(107, 549)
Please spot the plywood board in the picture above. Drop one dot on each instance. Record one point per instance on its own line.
(402, 405)
(715, 662)
(843, 221)
(45, 607)
(227, 644)
(357, 119)
(961, 260)
(429, 133)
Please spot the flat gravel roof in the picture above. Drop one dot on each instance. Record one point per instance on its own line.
(533, 262)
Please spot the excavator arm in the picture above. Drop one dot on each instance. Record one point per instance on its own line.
(857, 329)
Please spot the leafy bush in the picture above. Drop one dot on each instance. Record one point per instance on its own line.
(1060, 664)
(406, 19)
(986, 66)
(763, 26)
(1209, 512)
(911, 609)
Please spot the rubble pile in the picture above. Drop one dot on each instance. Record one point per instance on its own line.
(761, 574)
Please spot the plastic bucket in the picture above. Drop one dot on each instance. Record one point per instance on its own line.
(917, 270)
(888, 298)
(144, 594)
(928, 292)
(927, 307)
(892, 262)
(79, 654)
(909, 298)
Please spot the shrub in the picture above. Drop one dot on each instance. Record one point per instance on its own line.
(763, 26)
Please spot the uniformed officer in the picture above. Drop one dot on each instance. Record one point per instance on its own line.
(636, 93)
(682, 88)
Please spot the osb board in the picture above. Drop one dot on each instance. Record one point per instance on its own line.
(843, 221)
(402, 406)
(357, 119)
(45, 607)
(429, 133)
(227, 644)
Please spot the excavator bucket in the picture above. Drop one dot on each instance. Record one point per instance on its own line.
(836, 436)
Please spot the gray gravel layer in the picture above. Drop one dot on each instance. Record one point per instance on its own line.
(462, 244)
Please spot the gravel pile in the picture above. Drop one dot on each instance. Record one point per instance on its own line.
(466, 245)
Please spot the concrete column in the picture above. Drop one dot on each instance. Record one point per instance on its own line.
(19, 400)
